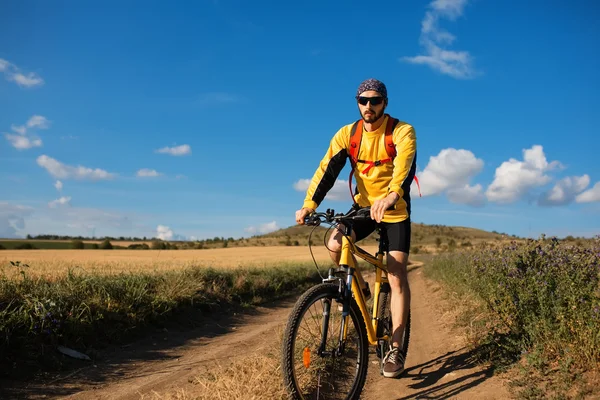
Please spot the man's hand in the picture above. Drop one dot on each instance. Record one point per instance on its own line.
(302, 213)
(379, 206)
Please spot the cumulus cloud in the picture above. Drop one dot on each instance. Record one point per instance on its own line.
(164, 232)
(148, 173)
(58, 185)
(564, 191)
(515, 179)
(63, 201)
(467, 194)
(13, 73)
(22, 142)
(263, 229)
(433, 39)
(339, 192)
(450, 172)
(12, 218)
(589, 196)
(182, 150)
(64, 171)
(23, 139)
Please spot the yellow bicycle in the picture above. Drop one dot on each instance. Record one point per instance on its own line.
(325, 350)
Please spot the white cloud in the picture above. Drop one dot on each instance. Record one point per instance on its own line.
(515, 179)
(182, 150)
(24, 140)
(148, 173)
(21, 142)
(38, 121)
(65, 200)
(12, 218)
(564, 191)
(63, 171)
(589, 196)
(339, 192)
(470, 195)
(14, 74)
(58, 185)
(164, 232)
(451, 171)
(263, 229)
(457, 64)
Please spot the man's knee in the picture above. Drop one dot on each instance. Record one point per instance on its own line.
(397, 268)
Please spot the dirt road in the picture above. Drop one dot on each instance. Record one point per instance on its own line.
(438, 365)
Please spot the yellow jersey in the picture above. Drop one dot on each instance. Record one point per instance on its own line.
(377, 182)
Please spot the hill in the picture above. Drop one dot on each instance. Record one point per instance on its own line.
(425, 238)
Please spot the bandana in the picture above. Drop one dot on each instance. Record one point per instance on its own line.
(372, 84)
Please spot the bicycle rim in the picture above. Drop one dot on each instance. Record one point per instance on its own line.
(310, 376)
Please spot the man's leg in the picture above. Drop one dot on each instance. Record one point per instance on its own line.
(397, 262)
(400, 302)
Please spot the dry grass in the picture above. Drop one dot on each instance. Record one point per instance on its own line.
(255, 376)
(55, 263)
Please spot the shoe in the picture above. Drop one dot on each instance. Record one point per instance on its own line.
(393, 363)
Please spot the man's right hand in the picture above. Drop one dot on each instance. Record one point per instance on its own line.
(302, 213)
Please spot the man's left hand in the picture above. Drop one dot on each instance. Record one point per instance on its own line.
(379, 206)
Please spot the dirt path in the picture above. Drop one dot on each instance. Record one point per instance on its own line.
(438, 365)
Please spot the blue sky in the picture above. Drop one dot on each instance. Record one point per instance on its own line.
(203, 119)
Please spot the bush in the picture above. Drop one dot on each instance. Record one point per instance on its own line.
(25, 246)
(106, 245)
(544, 294)
(158, 245)
(138, 246)
(77, 244)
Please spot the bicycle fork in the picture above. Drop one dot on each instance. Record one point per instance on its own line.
(346, 292)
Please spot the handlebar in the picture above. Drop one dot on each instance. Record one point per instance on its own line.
(329, 216)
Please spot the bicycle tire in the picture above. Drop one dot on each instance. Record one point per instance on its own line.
(289, 350)
(384, 326)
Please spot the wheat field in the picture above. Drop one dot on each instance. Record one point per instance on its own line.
(56, 263)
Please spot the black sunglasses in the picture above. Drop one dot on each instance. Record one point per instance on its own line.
(375, 101)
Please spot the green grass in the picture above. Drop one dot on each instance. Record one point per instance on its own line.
(87, 312)
(44, 244)
(541, 307)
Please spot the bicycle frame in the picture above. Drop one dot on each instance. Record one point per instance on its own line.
(354, 282)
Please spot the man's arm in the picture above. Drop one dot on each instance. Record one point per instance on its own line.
(406, 148)
(328, 170)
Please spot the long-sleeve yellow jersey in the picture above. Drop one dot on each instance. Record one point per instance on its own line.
(371, 183)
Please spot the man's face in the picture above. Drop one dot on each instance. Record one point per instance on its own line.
(371, 112)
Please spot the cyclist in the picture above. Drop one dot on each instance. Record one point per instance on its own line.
(384, 185)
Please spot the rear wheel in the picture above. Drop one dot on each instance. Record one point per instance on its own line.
(330, 375)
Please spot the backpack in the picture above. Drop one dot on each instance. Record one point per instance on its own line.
(390, 148)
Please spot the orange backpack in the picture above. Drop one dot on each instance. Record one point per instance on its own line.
(390, 148)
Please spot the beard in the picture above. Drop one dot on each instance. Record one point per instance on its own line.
(374, 117)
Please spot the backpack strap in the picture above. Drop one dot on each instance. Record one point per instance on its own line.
(355, 139)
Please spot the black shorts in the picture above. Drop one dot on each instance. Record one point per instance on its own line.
(396, 233)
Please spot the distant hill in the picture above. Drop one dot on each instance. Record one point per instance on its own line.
(425, 238)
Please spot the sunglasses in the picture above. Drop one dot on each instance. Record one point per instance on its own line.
(375, 101)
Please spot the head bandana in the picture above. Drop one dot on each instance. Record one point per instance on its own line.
(372, 84)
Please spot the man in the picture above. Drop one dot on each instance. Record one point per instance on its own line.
(381, 183)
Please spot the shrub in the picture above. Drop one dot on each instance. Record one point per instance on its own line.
(106, 245)
(77, 244)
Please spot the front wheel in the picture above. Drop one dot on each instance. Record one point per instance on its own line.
(333, 372)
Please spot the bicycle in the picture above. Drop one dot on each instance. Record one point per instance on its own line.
(310, 369)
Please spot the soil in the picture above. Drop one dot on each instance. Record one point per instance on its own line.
(439, 364)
